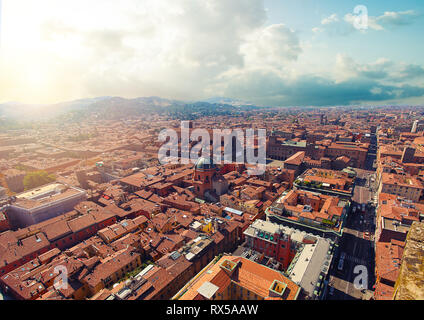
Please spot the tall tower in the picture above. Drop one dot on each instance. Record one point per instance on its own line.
(408, 155)
(414, 126)
(82, 178)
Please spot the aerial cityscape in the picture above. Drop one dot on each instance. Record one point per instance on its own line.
(211, 150)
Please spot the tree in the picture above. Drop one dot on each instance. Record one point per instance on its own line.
(37, 178)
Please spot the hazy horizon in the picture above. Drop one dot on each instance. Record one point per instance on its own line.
(271, 53)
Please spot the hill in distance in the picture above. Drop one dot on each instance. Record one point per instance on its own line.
(117, 107)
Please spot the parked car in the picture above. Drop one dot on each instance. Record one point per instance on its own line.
(341, 261)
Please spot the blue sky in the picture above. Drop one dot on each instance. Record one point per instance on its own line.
(401, 43)
(269, 52)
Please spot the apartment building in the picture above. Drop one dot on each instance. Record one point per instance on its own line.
(405, 186)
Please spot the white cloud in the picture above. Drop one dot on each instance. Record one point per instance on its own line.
(271, 47)
(383, 70)
(316, 30)
(184, 49)
(335, 26)
(329, 20)
(397, 18)
(172, 48)
(388, 19)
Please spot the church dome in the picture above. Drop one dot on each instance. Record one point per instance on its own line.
(204, 164)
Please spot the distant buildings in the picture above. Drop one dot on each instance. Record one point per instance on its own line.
(283, 149)
(327, 153)
(354, 150)
(43, 203)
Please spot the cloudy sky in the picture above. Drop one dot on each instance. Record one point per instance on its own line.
(269, 52)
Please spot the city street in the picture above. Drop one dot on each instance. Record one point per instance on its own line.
(356, 244)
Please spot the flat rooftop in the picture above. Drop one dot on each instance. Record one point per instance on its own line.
(46, 194)
(273, 228)
(394, 225)
(311, 265)
(294, 143)
(41, 192)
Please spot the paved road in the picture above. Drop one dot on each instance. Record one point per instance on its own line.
(357, 246)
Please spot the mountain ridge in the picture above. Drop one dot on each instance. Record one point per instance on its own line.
(115, 107)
